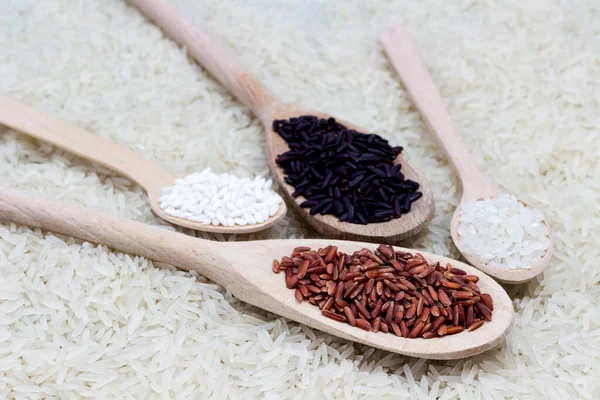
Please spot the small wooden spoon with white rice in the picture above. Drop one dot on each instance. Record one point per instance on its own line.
(268, 108)
(245, 269)
(405, 58)
(145, 173)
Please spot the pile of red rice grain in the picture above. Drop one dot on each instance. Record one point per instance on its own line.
(386, 290)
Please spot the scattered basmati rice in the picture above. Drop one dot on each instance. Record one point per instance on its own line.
(515, 75)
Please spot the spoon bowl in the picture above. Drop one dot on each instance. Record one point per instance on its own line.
(154, 196)
(390, 232)
(267, 107)
(406, 60)
(503, 275)
(245, 269)
(145, 173)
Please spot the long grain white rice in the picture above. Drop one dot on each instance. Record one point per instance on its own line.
(520, 80)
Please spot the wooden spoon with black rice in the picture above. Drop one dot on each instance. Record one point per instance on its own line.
(345, 183)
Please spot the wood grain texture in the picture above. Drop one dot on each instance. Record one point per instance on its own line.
(145, 173)
(245, 269)
(268, 108)
(417, 80)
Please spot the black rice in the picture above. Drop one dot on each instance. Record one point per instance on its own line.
(343, 172)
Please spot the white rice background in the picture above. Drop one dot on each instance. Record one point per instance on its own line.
(80, 321)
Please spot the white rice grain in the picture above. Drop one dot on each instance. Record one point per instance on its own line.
(514, 75)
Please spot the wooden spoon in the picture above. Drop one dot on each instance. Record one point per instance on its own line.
(245, 269)
(402, 51)
(268, 108)
(145, 173)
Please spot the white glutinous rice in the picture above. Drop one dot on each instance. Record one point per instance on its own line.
(220, 199)
(502, 232)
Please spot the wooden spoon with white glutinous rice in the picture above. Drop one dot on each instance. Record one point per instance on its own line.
(146, 173)
(396, 299)
(344, 182)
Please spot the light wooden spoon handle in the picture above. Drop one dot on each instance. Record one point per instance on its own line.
(75, 140)
(131, 237)
(210, 55)
(413, 72)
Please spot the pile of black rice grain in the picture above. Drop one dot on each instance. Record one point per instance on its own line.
(344, 172)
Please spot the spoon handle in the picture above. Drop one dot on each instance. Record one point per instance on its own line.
(413, 72)
(184, 252)
(75, 140)
(209, 54)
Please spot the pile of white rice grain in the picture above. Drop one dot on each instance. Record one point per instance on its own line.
(502, 232)
(220, 199)
(76, 320)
